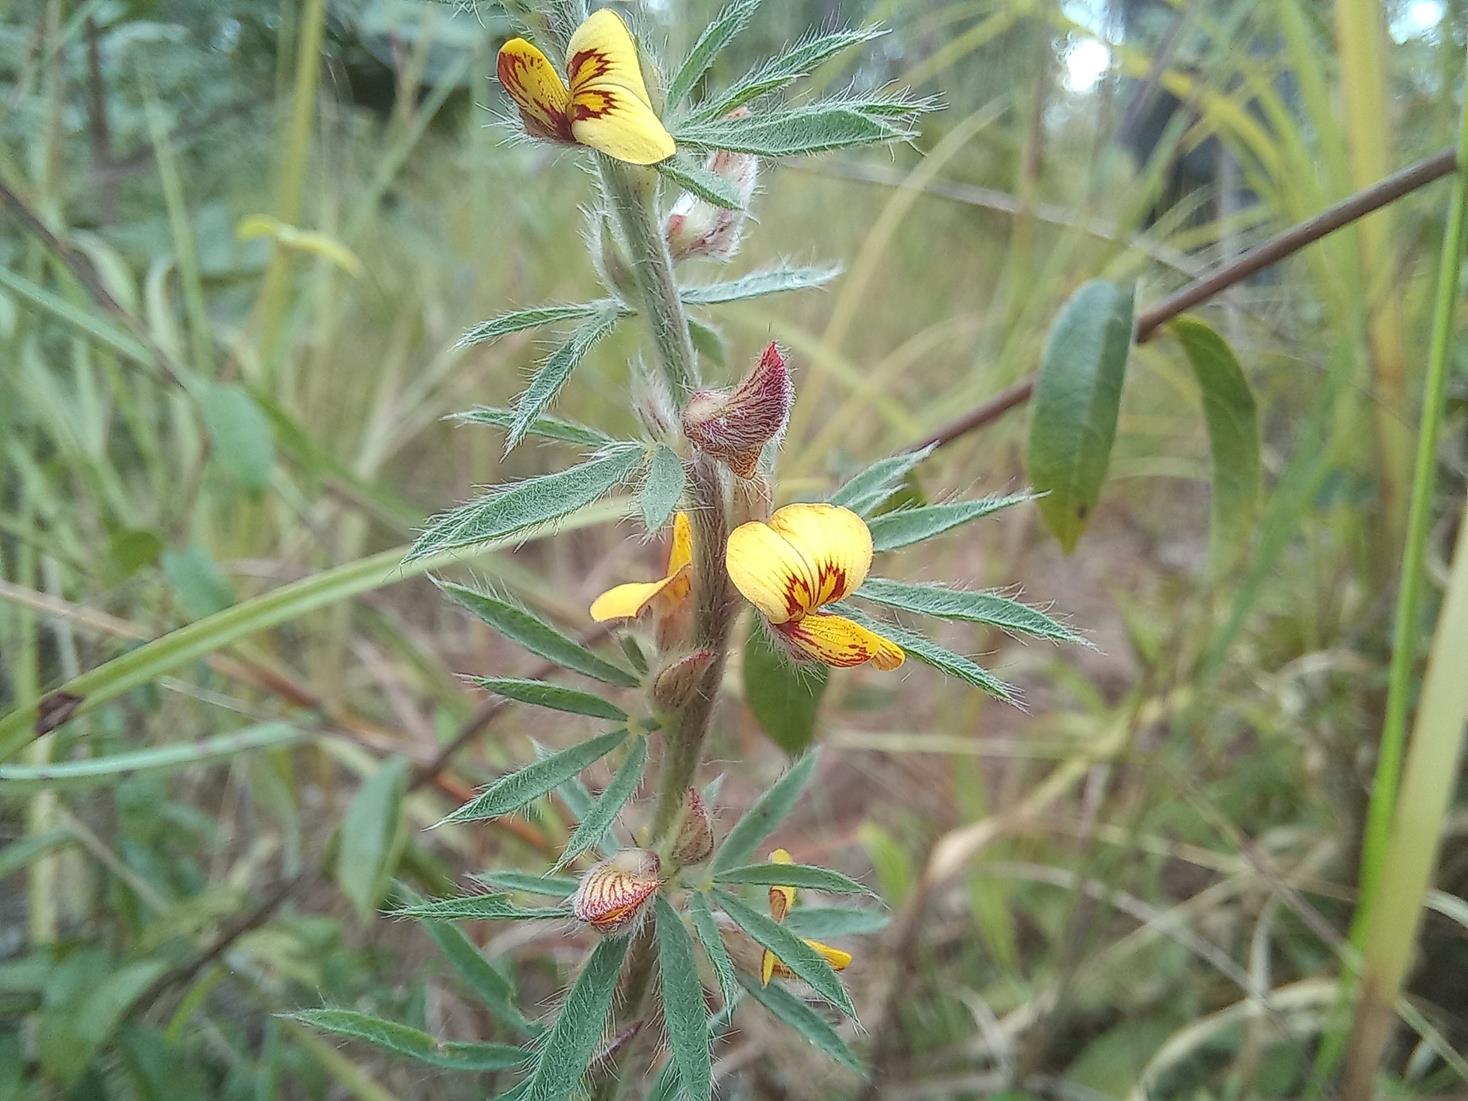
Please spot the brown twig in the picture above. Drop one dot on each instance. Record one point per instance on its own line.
(1271, 252)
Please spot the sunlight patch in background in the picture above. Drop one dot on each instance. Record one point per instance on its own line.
(1086, 62)
(1419, 19)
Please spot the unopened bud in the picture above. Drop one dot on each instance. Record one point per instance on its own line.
(613, 896)
(678, 680)
(696, 836)
(735, 425)
(697, 227)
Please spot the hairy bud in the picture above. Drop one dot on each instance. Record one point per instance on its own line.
(734, 425)
(696, 836)
(678, 680)
(696, 227)
(613, 897)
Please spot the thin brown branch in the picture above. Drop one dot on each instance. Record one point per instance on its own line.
(1227, 275)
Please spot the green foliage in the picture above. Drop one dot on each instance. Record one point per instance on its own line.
(804, 1020)
(545, 426)
(479, 908)
(553, 697)
(866, 491)
(568, 1047)
(758, 284)
(768, 811)
(713, 945)
(782, 71)
(662, 489)
(539, 637)
(930, 653)
(803, 960)
(793, 875)
(912, 525)
(489, 985)
(520, 320)
(697, 180)
(554, 886)
(717, 35)
(242, 442)
(525, 505)
(605, 810)
(1233, 438)
(200, 585)
(970, 607)
(785, 697)
(803, 131)
(1076, 403)
(511, 792)
(372, 836)
(826, 922)
(555, 371)
(87, 996)
(411, 1043)
(683, 1008)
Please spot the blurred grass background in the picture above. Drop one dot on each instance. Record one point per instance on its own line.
(1138, 885)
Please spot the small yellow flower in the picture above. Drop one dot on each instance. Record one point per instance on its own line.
(781, 900)
(804, 557)
(669, 597)
(606, 107)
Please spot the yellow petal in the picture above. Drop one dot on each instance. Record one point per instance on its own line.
(835, 640)
(680, 554)
(610, 108)
(771, 967)
(835, 540)
(627, 601)
(537, 89)
(767, 965)
(838, 959)
(806, 556)
(781, 898)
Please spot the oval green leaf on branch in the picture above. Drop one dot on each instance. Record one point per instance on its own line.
(784, 697)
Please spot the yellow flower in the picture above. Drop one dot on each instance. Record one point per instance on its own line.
(668, 597)
(606, 107)
(804, 557)
(781, 900)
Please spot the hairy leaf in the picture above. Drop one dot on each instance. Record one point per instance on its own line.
(912, 525)
(718, 34)
(1076, 403)
(533, 318)
(713, 945)
(803, 960)
(479, 908)
(945, 603)
(546, 426)
(793, 875)
(867, 490)
(768, 811)
(804, 1020)
(802, 131)
(788, 67)
(1233, 438)
(605, 810)
(537, 636)
(663, 488)
(683, 1009)
(492, 988)
(517, 508)
(400, 1039)
(371, 838)
(553, 697)
(667, 1087)
(555, 371)
(755, 284)
(572, 1040)
(785, 697)
(513, 791)
(827, 922)
(698, 180)
(930, 653)
(553, 886)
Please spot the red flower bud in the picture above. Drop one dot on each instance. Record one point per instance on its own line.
(696, 227)
(735, 425)
(613, 897)
(696, 836)
(679, 679)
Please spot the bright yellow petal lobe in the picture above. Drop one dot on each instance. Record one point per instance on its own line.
(537, 89)
(610, 108)
(680, 554)
(836, 641)
(838, 959)
(806, 556)
(771, 967)
(627, 601)
(781, 898)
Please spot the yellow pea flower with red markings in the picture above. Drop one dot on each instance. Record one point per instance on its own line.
(803, 557)
(669, 598)
(606, 106)
(781, 901)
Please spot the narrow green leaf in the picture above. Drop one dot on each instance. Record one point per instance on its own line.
(806, 876)
(785, 697)
(537, 636)
(768, 811)
(698, 180)
(492, 988)
(88, 321)
(710, 44)
(668, 1086)
(804, 1020)
(554, 372)
(802, 131)
(1076, 403)
(546, 426)
(401, 1039)
(803, 960)
(713, 945)
(511, 510)
(572, 1041)
(708, 341)
(867, 490)
(788, 67)
(553, 697)
(912, 525)
(930, 653)
(605, 810)
(242, 442)
(478, 908)
(366, 851)
(553, 886)
(756, 284)
(25, 850)
(970, 607)
(663, 488)
(98, 771)
(1233, 438)
(202, 588)
(828, 922)
(511, 792)
(683, 1008)
(519, 320)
